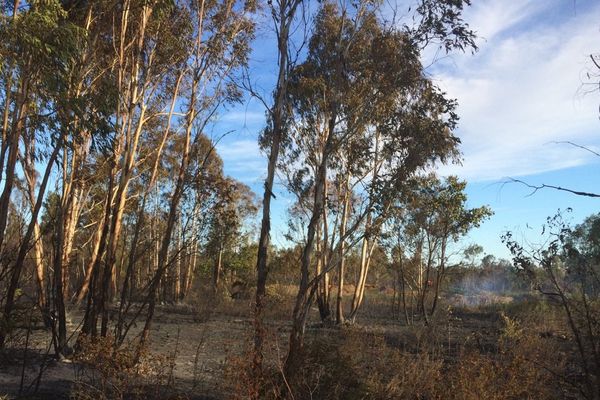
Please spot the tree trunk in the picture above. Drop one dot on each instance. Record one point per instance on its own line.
(283, 17)
(129, 132)
(40, 270)
(217, 269)
(25, 245)
(92, 310)
(71, 218)
(141, 217)
(322, 250)
(59, 292)
(189, 275)
(402, 282)
(171, 220)
(83, 289)
(439, 276)
(8, 142)
(342, 265)
(6, 118)
(305, 292)
(425, 288)
(365, 262)
(18, 123)
(180, 257)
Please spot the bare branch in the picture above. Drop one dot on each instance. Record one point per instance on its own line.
(578, 146)
(595, 61)
(544, 186)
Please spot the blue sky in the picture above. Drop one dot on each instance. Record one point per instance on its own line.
(519, 95)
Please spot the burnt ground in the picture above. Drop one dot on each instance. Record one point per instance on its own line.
(204, 347)
(200, 350)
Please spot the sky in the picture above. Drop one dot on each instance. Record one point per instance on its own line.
(521, 96)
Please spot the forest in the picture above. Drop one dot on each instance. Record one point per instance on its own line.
(134, 266)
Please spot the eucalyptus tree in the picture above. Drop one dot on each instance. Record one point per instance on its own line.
(283, 14)
(321, 85)
(85, 123)
(148, 46)
(221, 36)
(435, 215)
(206, 170)
(363, 83)
(43, 48)
(235, 203)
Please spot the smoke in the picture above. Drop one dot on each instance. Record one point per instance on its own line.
(480, 287)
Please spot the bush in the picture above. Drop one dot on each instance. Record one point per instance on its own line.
(105, 372)
(353, 364)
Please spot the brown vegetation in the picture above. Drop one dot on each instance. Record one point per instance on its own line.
(129, 265)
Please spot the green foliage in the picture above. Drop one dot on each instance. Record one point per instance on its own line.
(235, 203)
(586, 238)
(361, 86)
(437, 210)
(441, 23)
(242, 260)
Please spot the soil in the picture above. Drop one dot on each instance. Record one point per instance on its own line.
(204, 346)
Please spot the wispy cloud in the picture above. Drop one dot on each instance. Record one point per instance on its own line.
(520, 92)
(491, 18)
(242, 159)
(244, 117)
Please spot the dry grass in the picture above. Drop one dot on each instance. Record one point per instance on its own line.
(104, 372)
(519, 350)
(491, 352)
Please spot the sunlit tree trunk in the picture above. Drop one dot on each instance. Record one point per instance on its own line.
(141, 215)
(130, 129)
(191, 267)
(322, 262)
(38, 247)
(369, 240)
(83, 289)
(21, 109)
(342, 262)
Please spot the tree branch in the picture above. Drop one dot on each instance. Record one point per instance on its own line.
(579, 146)
(544, 186)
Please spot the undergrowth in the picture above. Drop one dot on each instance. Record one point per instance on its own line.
(357, 364)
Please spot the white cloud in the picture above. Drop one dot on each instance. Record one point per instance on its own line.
(521, 92)
(242, 159)
(244, 117)
(239, 149)
(490, 18)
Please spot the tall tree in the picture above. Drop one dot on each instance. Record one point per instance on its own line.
(42, 32)
(283, 14)
(145, 55)
(362, 83)
(221, 35)
(436, 216)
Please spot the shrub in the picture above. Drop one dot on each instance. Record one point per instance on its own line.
(106, 372)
